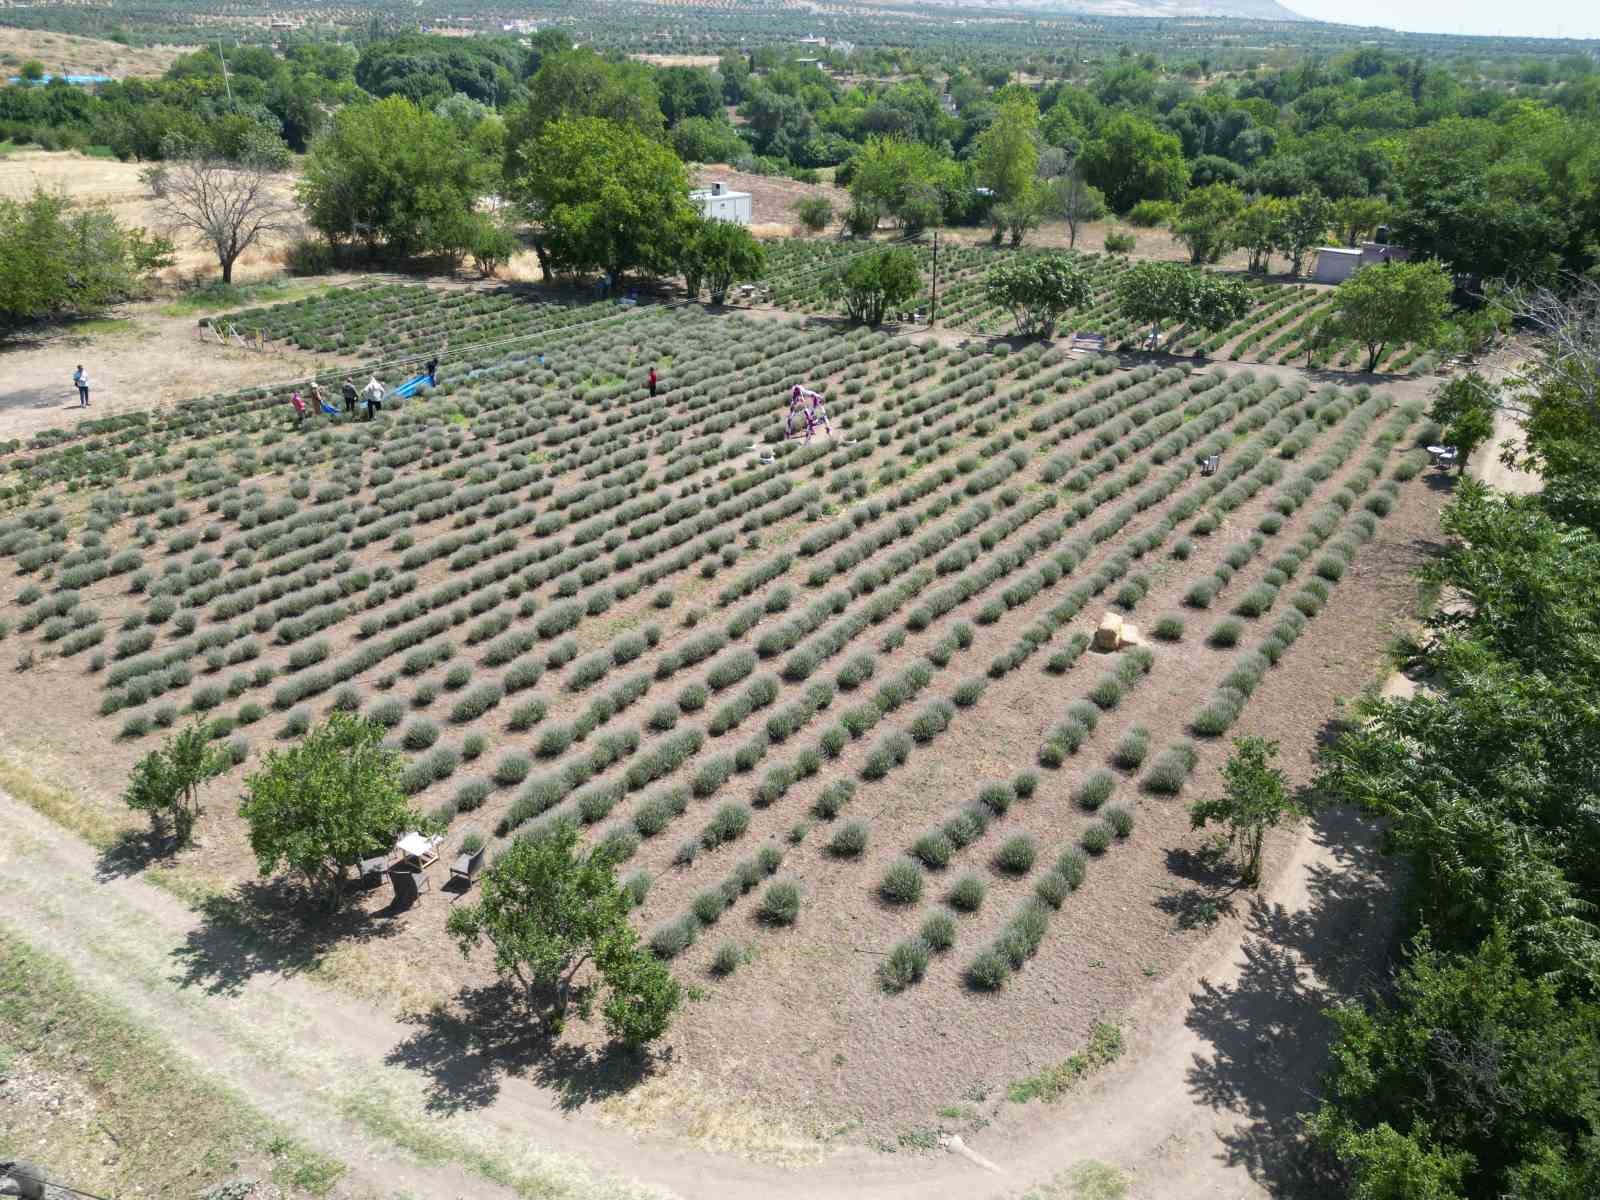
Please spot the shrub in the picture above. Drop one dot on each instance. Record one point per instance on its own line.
(987, 972)
(1016, 855)
(512, 769)
(968, 692)
(1171, 768)
(692, 698)
(1227, 633)
(939, 931)
(967, 894)
(834, 797)
(672, 939)
(709, 905)
(1052, 888)
(780, 904)
(933, 850)
(849, 841)
(729, 822)
(1025, 784)
(996, 797)
(1169, 629)
(1120, 819)
(1106, 692)
(905, 965)
(1131, 750)
(727, 958)
(1201, 593)
(1096, 838)
(1096, 789)
(1331, 567)
(902, 883)
(420, 735)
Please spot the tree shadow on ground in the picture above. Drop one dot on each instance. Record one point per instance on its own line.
(271, 927)
(490, 1035)
(1209, 892)
(132, 852)
(1266, 1035)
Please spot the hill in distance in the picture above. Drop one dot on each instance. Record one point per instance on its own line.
(1249, 10)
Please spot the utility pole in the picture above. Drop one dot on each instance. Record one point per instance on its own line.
(224, 60)
(933, 307)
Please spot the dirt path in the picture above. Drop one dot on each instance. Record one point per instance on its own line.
(1200, 1107)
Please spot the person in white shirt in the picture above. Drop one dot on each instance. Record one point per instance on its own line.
(80, 380)
(373, 394)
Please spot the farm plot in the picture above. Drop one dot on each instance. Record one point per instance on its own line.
(1278, 329)
(831, 705)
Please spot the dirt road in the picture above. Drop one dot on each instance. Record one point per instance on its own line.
(1203, 1105)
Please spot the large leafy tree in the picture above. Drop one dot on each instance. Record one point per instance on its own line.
(876, 282)
(325, 803)
(1205, 221)
(1039, 290)
(1156, 292)
(389, 174)
(605, 196)
(1133, 160)
(1471, 1080)
(551, 910)
(1302, 223)
(57, 260)
(904, 180)
(1478, 1074)
(1381, 306)
(1005, 156)
(715, 254)
(425, 68)
(1257, 229)
(580, 83)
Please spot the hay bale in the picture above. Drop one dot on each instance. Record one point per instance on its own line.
(1130, 636)
(1109, 634)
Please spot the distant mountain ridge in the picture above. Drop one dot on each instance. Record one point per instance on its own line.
(1250, 10)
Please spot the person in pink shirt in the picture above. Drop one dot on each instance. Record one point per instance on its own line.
(299, 405)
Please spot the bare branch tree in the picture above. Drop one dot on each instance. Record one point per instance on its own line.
(1567, 327)
(226, 206)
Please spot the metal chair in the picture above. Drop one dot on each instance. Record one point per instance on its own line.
(408, 886)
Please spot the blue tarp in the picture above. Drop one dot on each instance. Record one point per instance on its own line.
(410, 387)
(76, 80)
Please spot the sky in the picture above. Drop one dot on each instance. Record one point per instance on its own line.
(1529, 18)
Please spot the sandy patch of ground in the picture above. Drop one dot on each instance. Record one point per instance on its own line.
(116, 186)
(677, 60)
(68, 54)
(772, 197)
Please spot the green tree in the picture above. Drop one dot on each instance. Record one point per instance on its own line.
(57, 260)
(1205, 221)
(166, 783)
(32, 71)
(906, 180)
(1068, 195)
(814, 212)
(1257, 229)
(708, 140)
(1356, 218)
(1304, 224)
(1132, 160)
(580, 83)
(1381, 306)
(715, 254)
(389, 174)
(1256, 799)
(1465, 406)
(876, 282)
(605, 195)
(1470, 1080)
(1038, 290)
(550, 910)
(1005, 156)
(322, 805)
(1156, 292)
